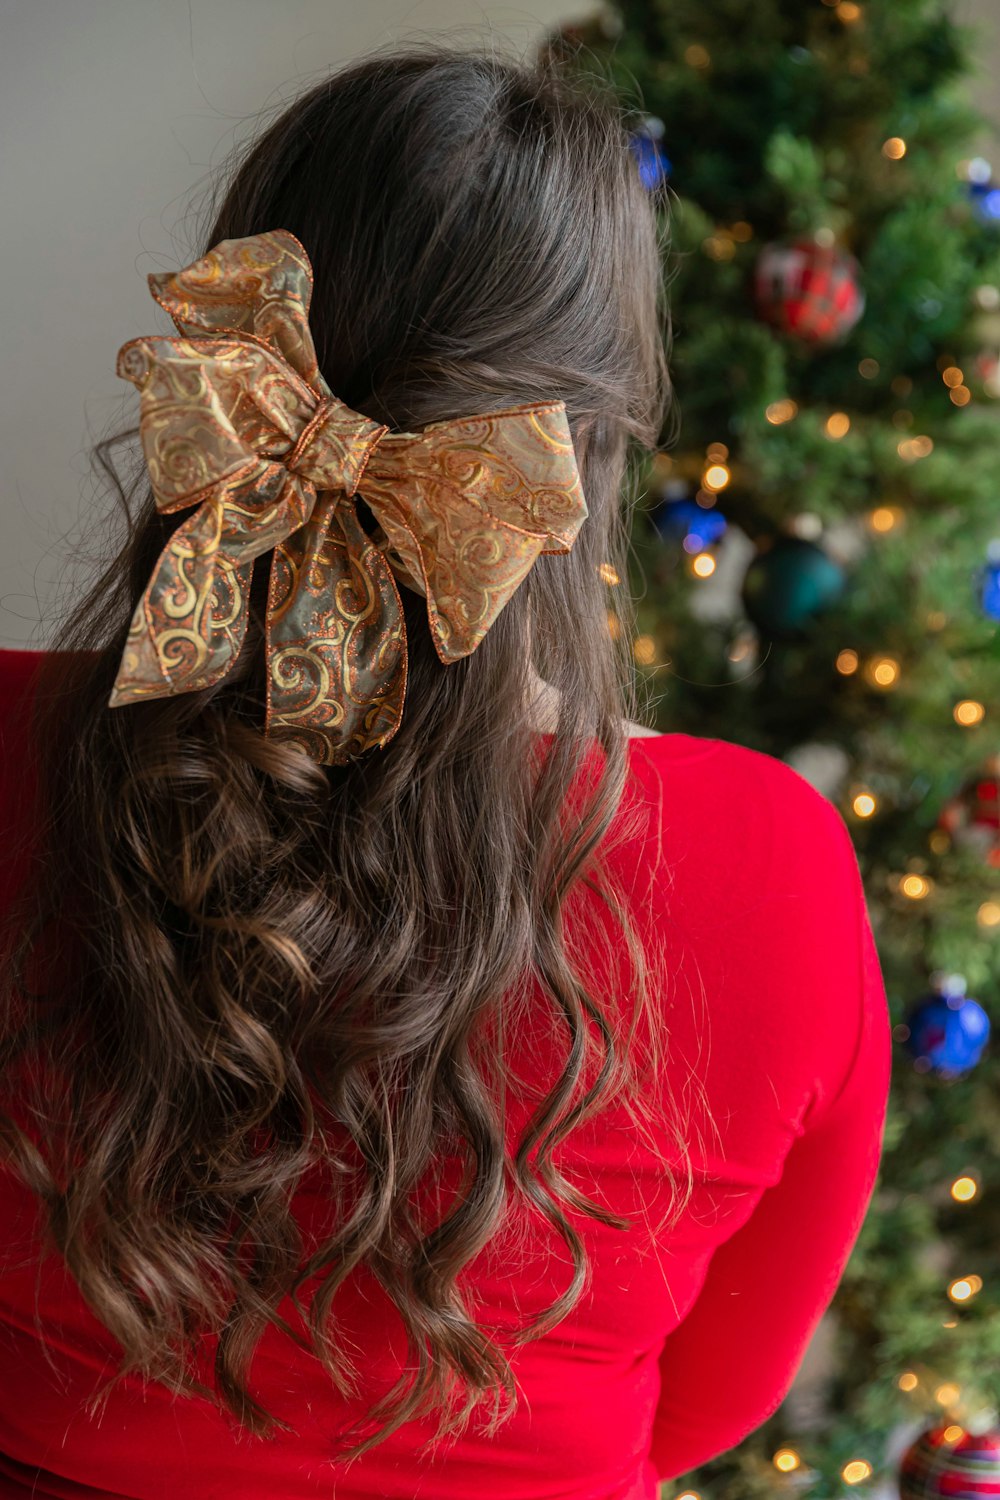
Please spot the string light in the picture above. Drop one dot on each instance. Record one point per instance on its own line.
(786, 1459)
(608, 574)
(855, 1471)
(720, 246)
(901, 385)
(936, 619)
(988, 914)
(915, 447)
(717, 453)
(644, 650)
(915, 887)
(780, 411)
(953, 1432)
(964, 1189)
(614, 625)
(907, 1381)
(960, 395)
(968, 712)
(703, 566)
(864, 804)
(697, 56)
(838, 424)
(715, 477)
(848, 12)
(869, 368)
(947, 1394)
(952, 375)
(884, 517)
(882, 672)
(741, 231)
(965, 1288)
(894, 148)
(847, 662)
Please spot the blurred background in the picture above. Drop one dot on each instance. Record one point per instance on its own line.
(816, 545)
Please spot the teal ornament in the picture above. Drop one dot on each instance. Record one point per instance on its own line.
(788, 585)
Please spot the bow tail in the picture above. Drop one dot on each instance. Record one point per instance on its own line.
(188, 628)
(336, 640)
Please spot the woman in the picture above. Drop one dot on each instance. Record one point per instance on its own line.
(424, 1035)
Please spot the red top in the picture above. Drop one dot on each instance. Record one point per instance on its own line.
(746, 879)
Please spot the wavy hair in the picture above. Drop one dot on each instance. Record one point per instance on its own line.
(228, 967)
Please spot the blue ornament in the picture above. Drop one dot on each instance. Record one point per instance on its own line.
(984, 192)
(947, 1030)
(654, 164)
(990, 580)
(680, 518)
(985, 198)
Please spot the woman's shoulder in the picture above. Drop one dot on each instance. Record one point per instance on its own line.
(742, 765)
(720, 805)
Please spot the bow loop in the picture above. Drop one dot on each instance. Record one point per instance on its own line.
(260, 286)
(469, 504)
(236, 418)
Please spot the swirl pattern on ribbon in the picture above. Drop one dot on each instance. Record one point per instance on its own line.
(236, 419)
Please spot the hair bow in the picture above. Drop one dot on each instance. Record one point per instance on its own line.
(236, 418)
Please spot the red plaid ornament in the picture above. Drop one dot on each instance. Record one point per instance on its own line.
(807, 290)
(947, 1461)
(972, 817)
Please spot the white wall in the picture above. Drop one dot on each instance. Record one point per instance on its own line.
(112, 115)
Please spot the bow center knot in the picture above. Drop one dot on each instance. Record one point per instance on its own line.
(334, 446)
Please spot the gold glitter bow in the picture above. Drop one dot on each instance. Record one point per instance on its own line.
(242, 424)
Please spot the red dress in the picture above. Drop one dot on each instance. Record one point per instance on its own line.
(744, 878)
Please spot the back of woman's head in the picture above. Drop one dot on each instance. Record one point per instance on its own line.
(270, 965)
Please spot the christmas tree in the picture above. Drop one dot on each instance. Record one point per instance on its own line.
(817, 575)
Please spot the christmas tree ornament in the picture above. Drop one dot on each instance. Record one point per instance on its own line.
(983, 192)
(987, 367)
(808, 290)
(678, 516)
(788, 584)
(946, 1029)
(647, 146)
(947, 1460)
(971, 818)
(989, 580)
(984, 328)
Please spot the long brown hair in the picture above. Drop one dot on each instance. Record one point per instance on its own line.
(250, 951)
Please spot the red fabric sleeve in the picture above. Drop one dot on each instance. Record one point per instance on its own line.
(730, 1363)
